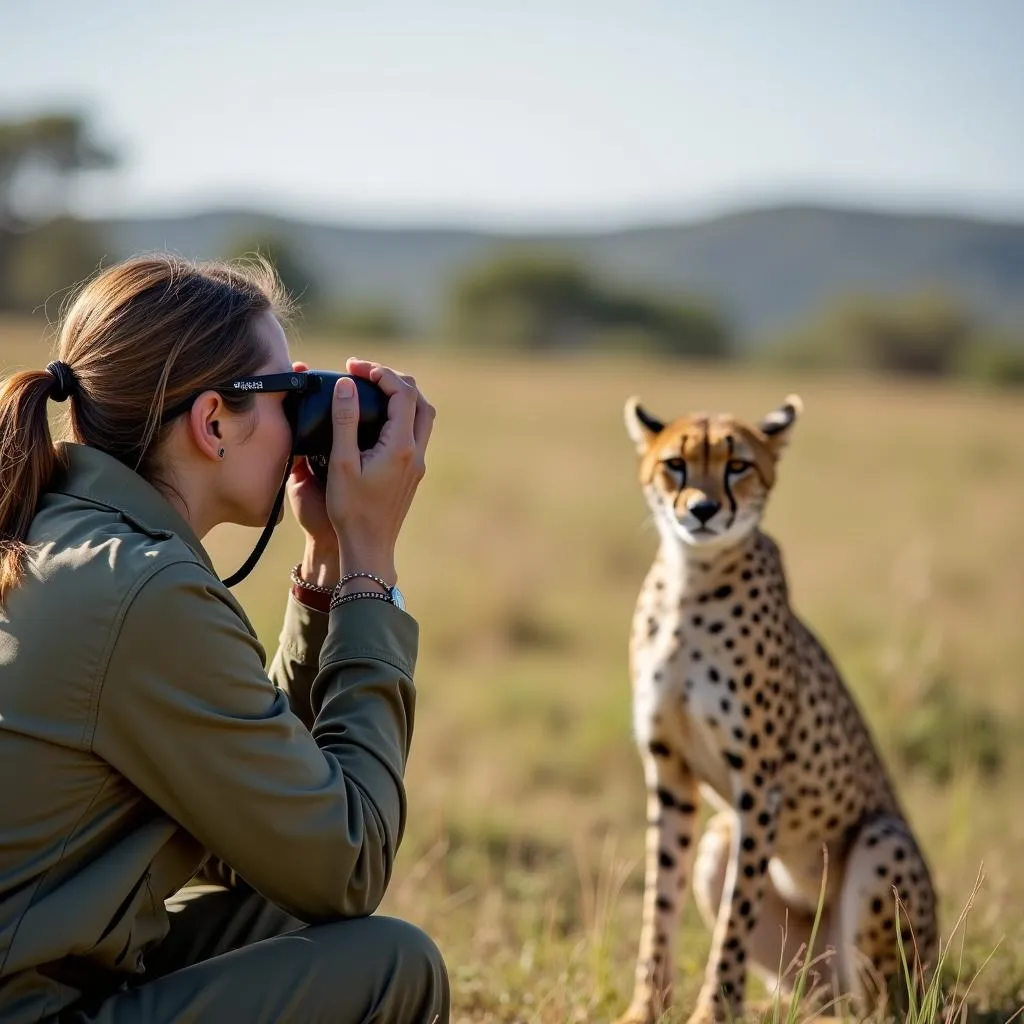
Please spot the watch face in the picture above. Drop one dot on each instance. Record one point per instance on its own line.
(398, 598)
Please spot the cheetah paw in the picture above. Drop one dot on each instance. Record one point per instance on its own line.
(638, 1015)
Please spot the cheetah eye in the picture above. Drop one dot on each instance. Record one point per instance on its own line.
(676, 465)
(737, 467)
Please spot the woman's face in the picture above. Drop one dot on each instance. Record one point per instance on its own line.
(258, 442)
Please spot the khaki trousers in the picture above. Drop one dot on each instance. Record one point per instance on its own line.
(232, 956)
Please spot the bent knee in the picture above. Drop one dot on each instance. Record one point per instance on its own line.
(420, 966)
(401, 967)
(408, 940)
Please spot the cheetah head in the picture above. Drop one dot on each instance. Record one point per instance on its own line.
(707, 477)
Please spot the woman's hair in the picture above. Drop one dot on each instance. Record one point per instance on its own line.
(140, 337)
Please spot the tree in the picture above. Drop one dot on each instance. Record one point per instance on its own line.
(670, 326)
(521, 299)
(527, 299)
(40, 157)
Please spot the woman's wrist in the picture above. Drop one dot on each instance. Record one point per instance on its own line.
(316, 575)
(326, 563)
(321, 563)
(362, 558)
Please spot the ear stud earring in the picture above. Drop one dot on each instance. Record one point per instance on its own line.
(220, 454)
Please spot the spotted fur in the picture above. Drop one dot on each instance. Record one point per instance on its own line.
(736, 701)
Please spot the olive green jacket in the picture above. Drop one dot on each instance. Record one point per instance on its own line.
(141, 736)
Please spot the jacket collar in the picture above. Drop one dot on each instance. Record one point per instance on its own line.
(95, 476)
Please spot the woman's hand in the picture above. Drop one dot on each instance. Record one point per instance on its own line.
(369, 493)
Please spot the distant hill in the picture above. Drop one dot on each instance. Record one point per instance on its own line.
(764, 268)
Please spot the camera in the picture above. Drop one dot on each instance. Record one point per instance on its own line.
(312, 425)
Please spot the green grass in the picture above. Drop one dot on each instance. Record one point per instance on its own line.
(898, 508)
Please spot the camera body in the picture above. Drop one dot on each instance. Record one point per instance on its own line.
(313, 426)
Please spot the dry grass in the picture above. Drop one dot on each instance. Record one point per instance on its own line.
(899, 510)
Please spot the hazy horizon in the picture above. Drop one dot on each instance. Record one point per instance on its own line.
(580, 117)
(605, 224)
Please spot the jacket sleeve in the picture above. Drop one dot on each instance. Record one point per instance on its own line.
(310, 818)
(295, 665)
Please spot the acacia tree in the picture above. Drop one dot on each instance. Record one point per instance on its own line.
(40, 158)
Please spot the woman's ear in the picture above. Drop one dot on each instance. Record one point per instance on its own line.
(641, 426)
(778, 424)
(205, 425)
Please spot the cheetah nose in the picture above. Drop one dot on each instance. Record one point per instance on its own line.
(703, 509)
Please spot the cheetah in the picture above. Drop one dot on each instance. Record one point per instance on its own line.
(735, 700)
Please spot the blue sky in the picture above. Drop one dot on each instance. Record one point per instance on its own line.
(533, 113)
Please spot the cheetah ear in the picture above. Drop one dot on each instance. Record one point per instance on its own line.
(641, 426)
(778, 424)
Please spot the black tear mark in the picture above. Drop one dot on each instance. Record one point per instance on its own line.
(728, 486)
(682, 476)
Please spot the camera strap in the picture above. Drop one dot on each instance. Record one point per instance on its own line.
(261, 544)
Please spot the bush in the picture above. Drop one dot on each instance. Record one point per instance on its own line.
(994, 360)
(922, 333)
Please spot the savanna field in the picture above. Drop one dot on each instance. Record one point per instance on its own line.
(899, 510)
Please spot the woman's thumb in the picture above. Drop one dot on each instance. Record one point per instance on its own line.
(345, 417)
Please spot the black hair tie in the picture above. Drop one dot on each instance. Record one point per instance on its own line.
(63, 380)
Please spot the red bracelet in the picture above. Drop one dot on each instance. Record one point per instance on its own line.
(312, 598)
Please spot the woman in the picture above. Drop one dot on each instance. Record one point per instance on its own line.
(142, 744)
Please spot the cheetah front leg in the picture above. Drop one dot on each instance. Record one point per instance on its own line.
(671, 815)
(753, 840)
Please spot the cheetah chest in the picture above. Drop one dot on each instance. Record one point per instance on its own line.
(677, 703)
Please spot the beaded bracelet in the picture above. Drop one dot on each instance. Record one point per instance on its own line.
(376, 595)
(298, 581)
(362, 575)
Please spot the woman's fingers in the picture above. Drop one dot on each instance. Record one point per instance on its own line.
(345, 416)
(423, 424)
(410, 415)
(398, 430)
(368, 507)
